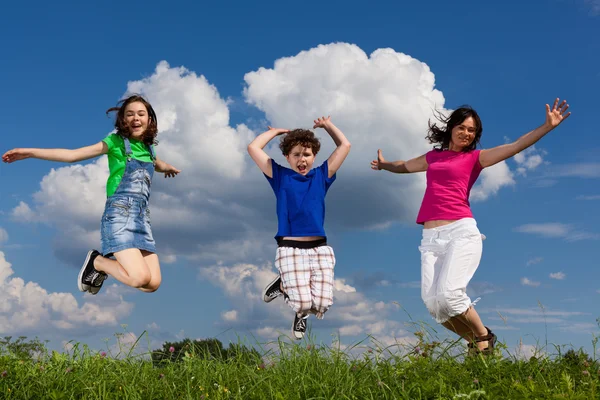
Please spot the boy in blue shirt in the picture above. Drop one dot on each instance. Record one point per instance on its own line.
(304, 260)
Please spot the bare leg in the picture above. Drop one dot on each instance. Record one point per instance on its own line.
(154, 267)
(458, 326)
(471, 319)
(130, 268)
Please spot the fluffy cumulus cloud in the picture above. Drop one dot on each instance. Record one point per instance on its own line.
(221, 201)
(27, 308)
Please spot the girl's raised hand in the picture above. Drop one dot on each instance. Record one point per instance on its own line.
(321, 122)
(16, 155)
(556, 115)
(376, 164)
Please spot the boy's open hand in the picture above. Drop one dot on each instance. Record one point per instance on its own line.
(321, 122)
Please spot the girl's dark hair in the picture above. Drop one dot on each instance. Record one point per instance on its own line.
(149, 136)
(302, 137)
(442, 136)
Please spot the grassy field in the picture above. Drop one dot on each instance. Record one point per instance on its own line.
(300, 370)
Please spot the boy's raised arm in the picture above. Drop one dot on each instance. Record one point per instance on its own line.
(335, 160)
(260, 157)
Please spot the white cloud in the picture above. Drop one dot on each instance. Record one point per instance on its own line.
(592, 197)
(535, 260)
(230, 316)
(529, 159)
(351, 330)
(27, 308)
(532, 312)
(558, 275)
(23, 213)
(168, 259)
(526, 351)
(492, 179)
(153, 326)
(527, 282)
(3, 235)
(557, 230)
(547, 229)
(585, 328)
(496, 328)
(587, 170)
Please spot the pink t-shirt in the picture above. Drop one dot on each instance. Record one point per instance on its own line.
(450, 177)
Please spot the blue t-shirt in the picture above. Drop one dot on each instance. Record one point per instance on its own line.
(300, 200)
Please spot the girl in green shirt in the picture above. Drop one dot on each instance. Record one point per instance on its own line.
(125, 230)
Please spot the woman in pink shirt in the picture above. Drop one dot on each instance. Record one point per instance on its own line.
(451, 245)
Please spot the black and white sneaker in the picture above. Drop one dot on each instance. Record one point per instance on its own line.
(97, 282)
(273, 290)
(299, 326)
(89, 278)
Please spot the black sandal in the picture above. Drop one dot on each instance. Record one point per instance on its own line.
(490, 338)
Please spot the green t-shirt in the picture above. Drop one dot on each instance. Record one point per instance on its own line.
(117, 159)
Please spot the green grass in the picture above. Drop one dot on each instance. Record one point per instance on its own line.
(425, 370)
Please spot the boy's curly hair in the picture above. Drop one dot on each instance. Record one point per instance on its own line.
(302, 137)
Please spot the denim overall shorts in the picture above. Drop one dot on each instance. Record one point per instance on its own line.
(126, 218)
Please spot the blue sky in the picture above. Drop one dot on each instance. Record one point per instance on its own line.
(217, 75)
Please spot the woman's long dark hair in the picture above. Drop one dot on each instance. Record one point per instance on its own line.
(149, 136)
(443, 135)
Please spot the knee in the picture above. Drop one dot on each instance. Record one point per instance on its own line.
(153, 285)
(303, 307)
(142, 279)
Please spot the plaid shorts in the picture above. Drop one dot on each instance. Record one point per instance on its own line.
(307, 278)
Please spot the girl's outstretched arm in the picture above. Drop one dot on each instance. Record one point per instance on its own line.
(335, 160)
(554, 117)
(255, 149)
(61, 155)
(166, 168)
(418, 164)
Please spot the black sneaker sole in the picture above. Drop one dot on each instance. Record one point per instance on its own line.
(82, 287)
(266, 298)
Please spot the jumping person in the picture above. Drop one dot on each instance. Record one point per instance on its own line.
(304, 260)
(125, 229)
(451, 245)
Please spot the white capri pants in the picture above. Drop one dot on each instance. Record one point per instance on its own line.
(450, 255)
